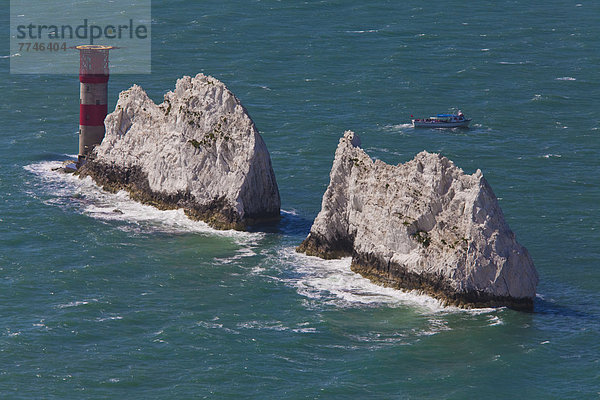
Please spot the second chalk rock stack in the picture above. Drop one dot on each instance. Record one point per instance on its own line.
(423, 225)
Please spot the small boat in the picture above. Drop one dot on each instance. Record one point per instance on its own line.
(457, 120)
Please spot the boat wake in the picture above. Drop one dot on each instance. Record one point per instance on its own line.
(397, 127)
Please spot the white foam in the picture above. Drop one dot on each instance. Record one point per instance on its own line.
(77, 303)
(305, 330)
(214, 325)
(436, 326)
(565, 78)
(276, 326)
(364, 31)
(114, 318)
(396, 127)
(266, 325)
(289, 212)
(404, 125)
(91, 200)
(247, 251)
(209, 325)
(332, 282)
(514, 62)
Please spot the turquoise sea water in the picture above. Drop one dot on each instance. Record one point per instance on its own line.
(139, 303)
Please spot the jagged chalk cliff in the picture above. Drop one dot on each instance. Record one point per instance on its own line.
(422, 225)
(198, 150)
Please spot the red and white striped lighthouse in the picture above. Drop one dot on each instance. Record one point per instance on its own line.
(93, 100)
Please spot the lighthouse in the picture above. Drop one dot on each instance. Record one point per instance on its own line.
(93, 98)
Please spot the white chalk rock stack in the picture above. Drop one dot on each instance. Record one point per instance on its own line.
(423, 225)
(198, 150)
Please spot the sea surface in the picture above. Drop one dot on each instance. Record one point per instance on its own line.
(101, 297)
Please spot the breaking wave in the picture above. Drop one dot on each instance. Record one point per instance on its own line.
(67, 190)
(333, 282)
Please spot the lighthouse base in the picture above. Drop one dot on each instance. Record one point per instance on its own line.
(89, 137)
